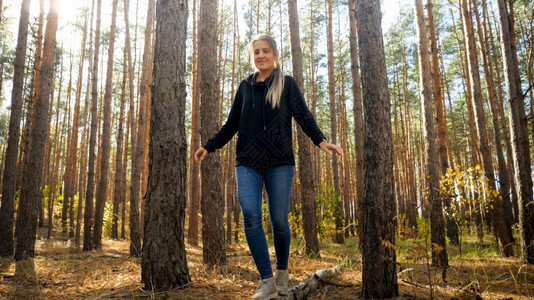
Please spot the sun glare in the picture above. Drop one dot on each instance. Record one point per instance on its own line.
(67, 9)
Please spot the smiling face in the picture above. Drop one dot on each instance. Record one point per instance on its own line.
(264, 56)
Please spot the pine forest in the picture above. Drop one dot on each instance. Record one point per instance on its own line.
(104, 103)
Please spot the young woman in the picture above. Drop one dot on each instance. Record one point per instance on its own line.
(261, 114)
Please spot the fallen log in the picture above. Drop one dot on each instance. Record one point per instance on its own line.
(303, 289)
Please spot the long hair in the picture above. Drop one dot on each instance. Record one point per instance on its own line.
(277, 83)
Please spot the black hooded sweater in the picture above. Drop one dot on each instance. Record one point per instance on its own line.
(264, 134)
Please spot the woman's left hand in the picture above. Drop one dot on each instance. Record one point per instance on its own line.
(329, 148)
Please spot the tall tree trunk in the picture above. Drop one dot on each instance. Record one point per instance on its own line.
(194, 169)
(85, 136)
(55, 164)
(230, 179)
(68, 167)
(163, 262)
(338, 214)
(437, 228)
(499, 225)
(102, 187)
(135, 234)
(117, 190)
(212, 204)
(358, 115)
(30, 196)
(309, 222)
(442, 134)
(472, 136)
(70, 184)
(89, 193)
(7, 209)
(378, 259)
(504, 180)
(519, 134)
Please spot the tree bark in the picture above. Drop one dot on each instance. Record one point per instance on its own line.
(135, 234)
(117, 189)
(504, 240)
(163, 261)
(519, 134)
(338, 214)
(102, 187)
(194, 169)
(442, 134)
(89, 193)
(378, 259)
(437, 224)
(212, 204)
(30, 196)
(358, 116)
(309, 222)
(7, 209)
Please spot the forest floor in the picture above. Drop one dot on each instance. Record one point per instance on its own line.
(62, 271)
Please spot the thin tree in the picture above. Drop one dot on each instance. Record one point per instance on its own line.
(135, 234)
(307, 184)
(519, 134)
(357, 112)
(442, 134)
(117, 189)
(502, 234)
(70, 183)
(504, 180)
(30, 196)
(32, 99)
(7, 209)
(437, 228)
(163, 262)
(89, 193)
(338, 214)
(194, 169)
(378, 205)
(212, 204)
(102, 187)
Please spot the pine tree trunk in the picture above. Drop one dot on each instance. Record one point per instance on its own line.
(378, 258)
(499, 226)
(148, 114)
(163, 262)
(102, 187)
(358, 116)
(519, 134)
(194, 169)
(338, 209)
(437, 228)
(7, 209)
(30, 196)
(212, 204)
(504, 181)
(117, 190)
(89, 193)
(442, 134)
(309, 222)
(135, 234)
(230, 171)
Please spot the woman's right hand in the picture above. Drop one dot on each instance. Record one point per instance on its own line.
(200, 154)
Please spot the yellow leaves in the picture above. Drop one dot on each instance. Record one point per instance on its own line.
(387, 244)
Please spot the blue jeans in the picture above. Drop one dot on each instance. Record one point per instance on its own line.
(278, 182)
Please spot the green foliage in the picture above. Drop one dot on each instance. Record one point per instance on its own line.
(326, 199)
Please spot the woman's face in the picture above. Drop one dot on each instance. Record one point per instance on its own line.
(264, 56)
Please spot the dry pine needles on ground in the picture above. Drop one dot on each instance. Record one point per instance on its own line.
(63, 271)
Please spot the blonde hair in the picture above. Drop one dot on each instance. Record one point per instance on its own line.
(277, 83)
